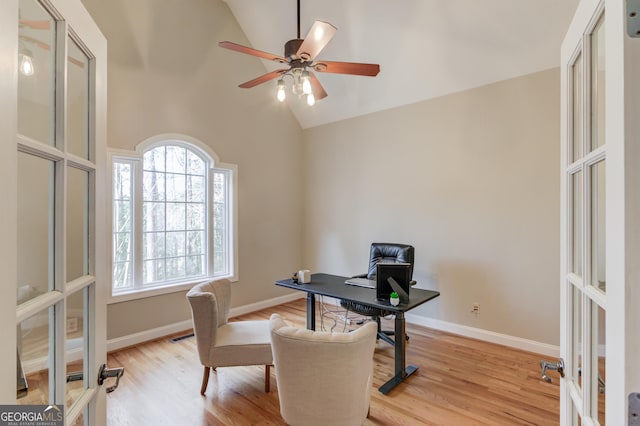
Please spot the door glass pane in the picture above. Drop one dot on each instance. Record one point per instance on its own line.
(576, 228)
(576, 335)
(77, 223)
(598, 276)
(34, 353)
(77, 101)
(36, 79)
(79, 420)
(76, 307)
(597, 85)
(35, 226)
(600, 350)
(578, 110)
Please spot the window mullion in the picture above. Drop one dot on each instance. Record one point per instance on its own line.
(210, 222)
(137, 225)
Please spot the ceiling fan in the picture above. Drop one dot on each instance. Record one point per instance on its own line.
(299, 55)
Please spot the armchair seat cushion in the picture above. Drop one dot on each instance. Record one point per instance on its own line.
(235, 338)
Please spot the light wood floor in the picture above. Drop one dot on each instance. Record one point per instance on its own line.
(460, 381)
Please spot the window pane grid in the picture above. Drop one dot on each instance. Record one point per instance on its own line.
(173, 202)
(180, 231)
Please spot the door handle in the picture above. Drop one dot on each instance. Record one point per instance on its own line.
(548, 365)
(106, 373)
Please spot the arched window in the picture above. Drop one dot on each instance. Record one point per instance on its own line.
(173, 216)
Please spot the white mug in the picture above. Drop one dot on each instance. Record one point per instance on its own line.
(304, 276)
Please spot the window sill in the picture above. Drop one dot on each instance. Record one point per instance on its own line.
(151, 292)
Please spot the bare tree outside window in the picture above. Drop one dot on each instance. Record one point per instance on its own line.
(174, 217)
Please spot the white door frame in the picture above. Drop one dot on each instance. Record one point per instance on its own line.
(8, 177)
(622, 106)
(76, 16)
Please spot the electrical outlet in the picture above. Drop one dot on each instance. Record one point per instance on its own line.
(476, 308)
(72, 325)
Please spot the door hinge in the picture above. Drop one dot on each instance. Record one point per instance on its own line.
(634, 408)
(633, 18)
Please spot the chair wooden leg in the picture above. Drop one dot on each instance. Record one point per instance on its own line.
(267, 378)
(205, 380)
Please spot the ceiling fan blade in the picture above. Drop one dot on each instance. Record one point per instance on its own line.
(36, 25)
(355, 68)
(46, 47)
(318, 90)
(42, 45)
(249, 51)
(263, 79)
(319, 35)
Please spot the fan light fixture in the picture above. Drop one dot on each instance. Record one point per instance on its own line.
(26, 62)
(301, 86)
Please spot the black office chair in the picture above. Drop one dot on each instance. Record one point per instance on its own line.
(382, 253)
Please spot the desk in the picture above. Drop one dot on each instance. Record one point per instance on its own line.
(334, 286)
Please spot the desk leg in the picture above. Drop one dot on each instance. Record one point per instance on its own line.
(401, 372)
(311, 311)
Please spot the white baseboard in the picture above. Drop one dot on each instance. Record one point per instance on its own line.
(478, 333)
(486, 335)
(463, 330)
(145, 336)
(247, 309)
(156, 333)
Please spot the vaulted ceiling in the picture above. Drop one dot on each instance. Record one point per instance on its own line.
(425, 48)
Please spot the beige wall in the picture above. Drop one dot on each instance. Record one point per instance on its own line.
(166, 74)
(471, 180)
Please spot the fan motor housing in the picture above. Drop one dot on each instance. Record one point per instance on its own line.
(291, 48)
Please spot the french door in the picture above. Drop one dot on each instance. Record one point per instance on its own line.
(600, 214)
(53, 257)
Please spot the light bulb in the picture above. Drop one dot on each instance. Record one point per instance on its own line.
(311, 100)
(281, 94)
(306, 82)
(26, 63)
(296, 88)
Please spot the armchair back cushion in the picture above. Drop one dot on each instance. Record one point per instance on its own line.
(222, 343)
(323, 378)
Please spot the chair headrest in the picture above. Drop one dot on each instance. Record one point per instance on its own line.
(389, 253)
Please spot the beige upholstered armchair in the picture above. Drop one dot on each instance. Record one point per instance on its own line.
(222, 343)
(323, 378)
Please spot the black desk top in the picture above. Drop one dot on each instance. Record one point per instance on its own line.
(334, 286)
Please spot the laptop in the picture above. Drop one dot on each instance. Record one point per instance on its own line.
(398, 272)
(361, 282)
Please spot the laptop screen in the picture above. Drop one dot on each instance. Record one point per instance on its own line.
(400, 272)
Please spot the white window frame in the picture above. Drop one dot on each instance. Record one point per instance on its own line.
(135, 158)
